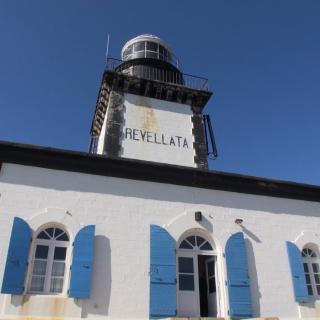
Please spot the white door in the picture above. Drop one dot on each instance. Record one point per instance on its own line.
(188, 285)
(211, 286)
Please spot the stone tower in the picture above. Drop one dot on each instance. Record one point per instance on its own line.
(147, 109)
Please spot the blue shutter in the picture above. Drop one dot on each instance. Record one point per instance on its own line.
(162, 273)
(17, 258)
(238, 279)
(297, 272)
(82, 263)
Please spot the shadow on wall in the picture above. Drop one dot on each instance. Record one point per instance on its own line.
(206, 224)
(250, 234)
(254, 285)
(98, 304)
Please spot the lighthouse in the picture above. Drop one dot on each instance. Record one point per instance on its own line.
(148, 109)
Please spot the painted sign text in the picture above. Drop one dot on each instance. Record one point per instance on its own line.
(157, 138)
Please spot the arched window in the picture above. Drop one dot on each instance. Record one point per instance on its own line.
(195, 243)
(311, 271)
(49, 261)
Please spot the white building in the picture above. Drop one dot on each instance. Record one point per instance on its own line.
(140, 228)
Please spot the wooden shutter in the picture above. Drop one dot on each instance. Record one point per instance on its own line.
(297, 273)
(17, 258)
(162, 273)
(238, 279)
(82, 263)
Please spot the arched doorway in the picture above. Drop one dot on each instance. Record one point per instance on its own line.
(197, 293)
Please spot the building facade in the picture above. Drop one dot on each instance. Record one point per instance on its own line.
(140, 228)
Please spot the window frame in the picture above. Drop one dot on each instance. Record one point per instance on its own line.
(195, 247)
(186, 273)
(52, 244)
(310, 261)
(160, 52)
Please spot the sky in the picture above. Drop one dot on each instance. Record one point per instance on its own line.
(262, 59)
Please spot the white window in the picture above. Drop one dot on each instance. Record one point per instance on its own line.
(311, 271)
(49, 261)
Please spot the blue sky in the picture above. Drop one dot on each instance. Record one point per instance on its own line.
(262, 59)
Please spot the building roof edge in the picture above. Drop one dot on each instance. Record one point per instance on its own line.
(83, 162)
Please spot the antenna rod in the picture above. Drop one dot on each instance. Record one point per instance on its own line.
(107, 52)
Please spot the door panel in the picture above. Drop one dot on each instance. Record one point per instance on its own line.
(211, 287)
(188, 288)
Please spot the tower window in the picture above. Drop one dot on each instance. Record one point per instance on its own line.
(152, 46)
(139, 46)
(49, 261)
(152, 55)
(128, 51)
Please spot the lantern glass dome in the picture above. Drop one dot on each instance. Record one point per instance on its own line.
(150, 47)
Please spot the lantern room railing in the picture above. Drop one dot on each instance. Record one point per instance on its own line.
(158, 74)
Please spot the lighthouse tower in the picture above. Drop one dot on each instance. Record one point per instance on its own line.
(147, 109)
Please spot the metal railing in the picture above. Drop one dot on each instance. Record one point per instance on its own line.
(158, 74)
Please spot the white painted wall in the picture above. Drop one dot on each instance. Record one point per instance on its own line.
(151, 130)
(123, 210)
